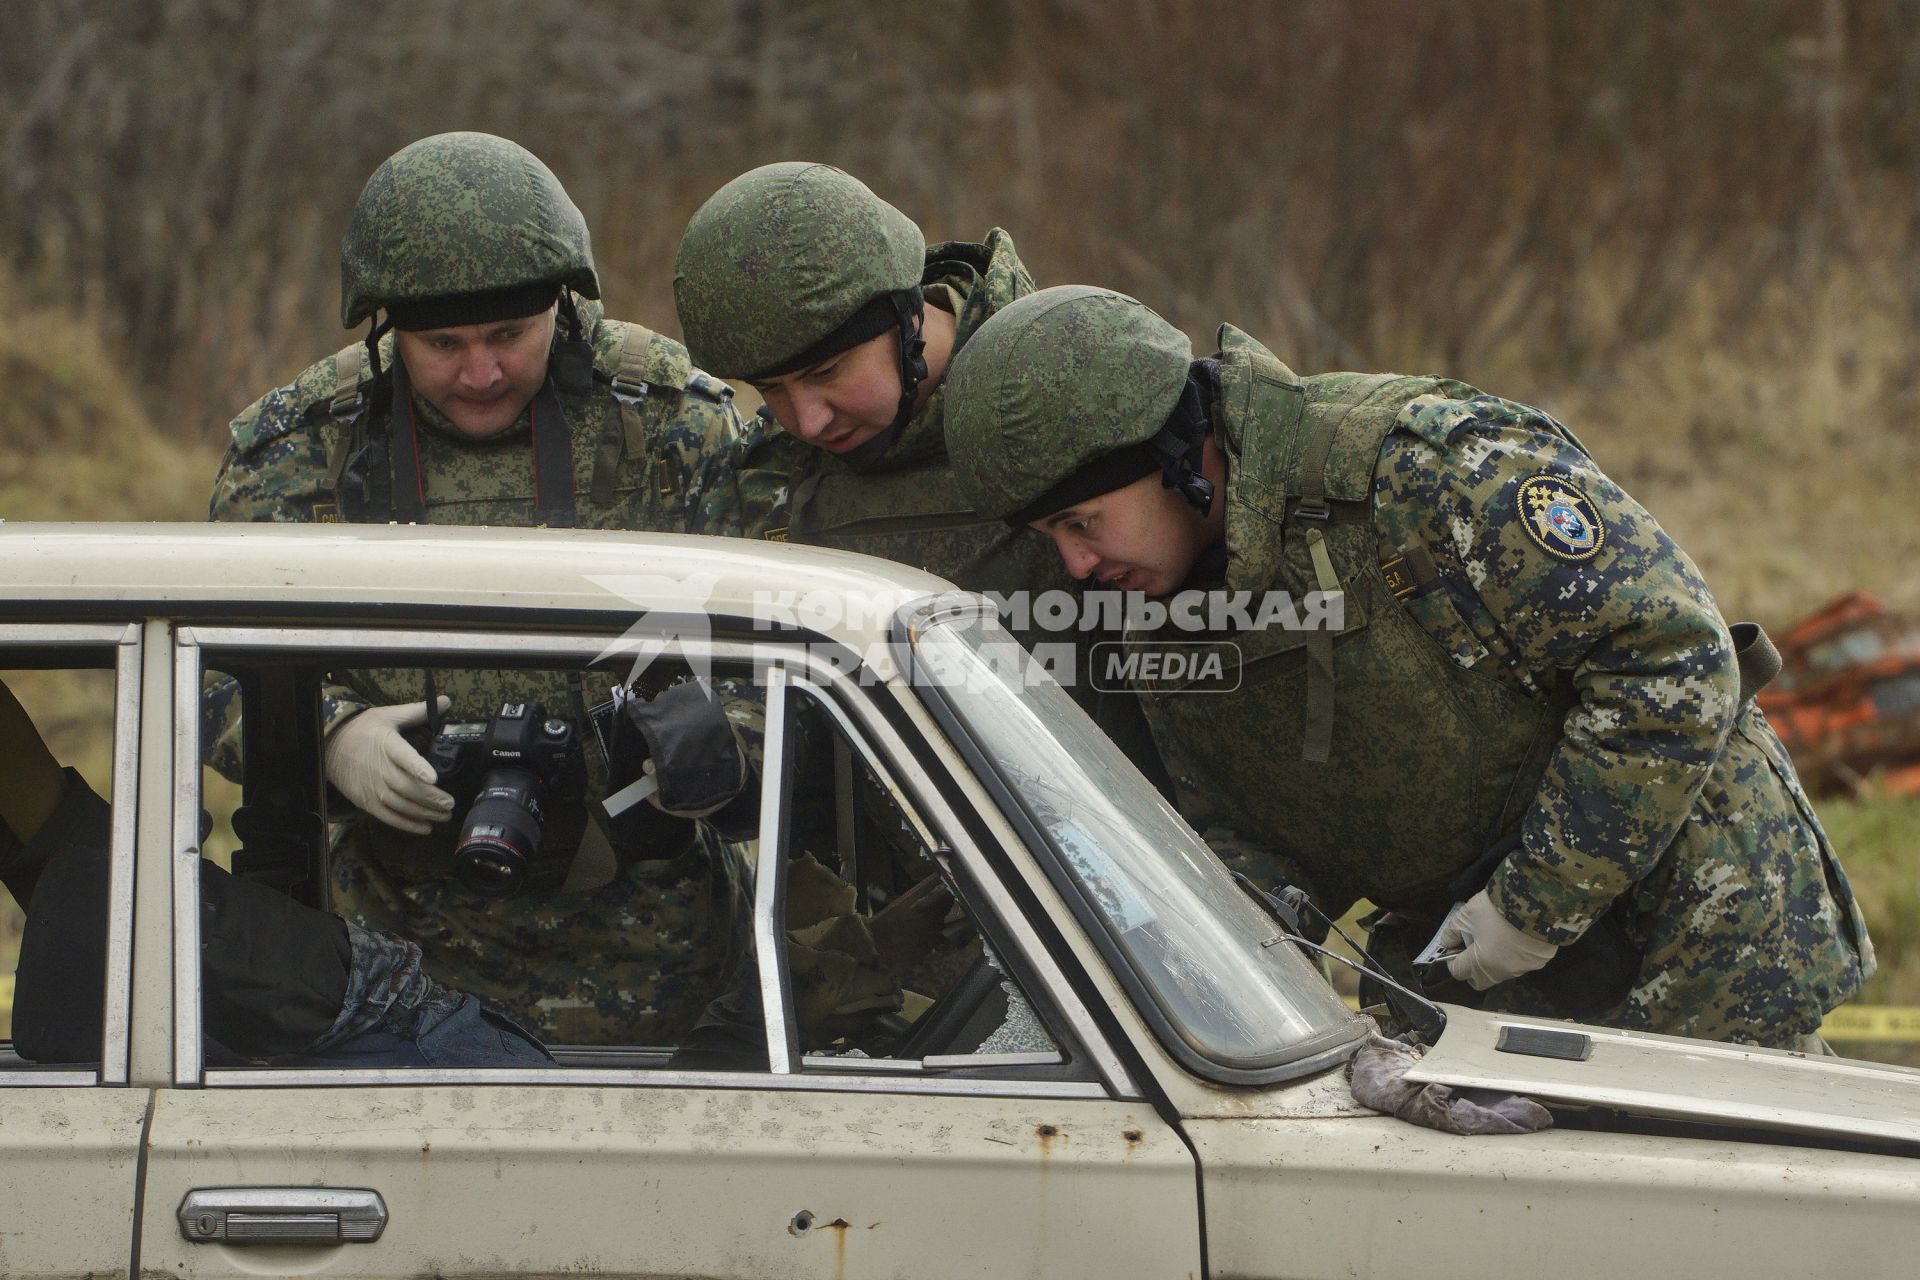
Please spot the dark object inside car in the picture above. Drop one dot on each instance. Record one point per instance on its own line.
(502, 774)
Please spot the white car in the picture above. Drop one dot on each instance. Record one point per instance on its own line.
(1142, 1079)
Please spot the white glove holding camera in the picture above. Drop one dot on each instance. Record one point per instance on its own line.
(379, 771)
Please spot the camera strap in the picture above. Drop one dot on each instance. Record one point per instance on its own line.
(551, 446)
(408, 494)
(552, 459)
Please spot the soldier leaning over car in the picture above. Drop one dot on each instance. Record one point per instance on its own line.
(1528, 704)
(798, 279)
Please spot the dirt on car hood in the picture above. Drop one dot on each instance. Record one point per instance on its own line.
(1667, 1076)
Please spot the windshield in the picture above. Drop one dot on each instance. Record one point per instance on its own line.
(1201, 959)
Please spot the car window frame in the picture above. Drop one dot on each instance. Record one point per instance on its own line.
(784, 1055)
(125, 640)
(580, 642)
(1297, 1061)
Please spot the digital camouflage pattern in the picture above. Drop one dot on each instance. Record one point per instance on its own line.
(1570, 684)
(1663, 791)
(460, 213)
(635, 467)
(1063, 377)
(782, 256)
(634, 961)
(618, 964)
(905, 507)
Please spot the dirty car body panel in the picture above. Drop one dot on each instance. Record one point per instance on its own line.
(1177, 1106)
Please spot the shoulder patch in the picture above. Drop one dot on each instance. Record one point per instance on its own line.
(1559, 518)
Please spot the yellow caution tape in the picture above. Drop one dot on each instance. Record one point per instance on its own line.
(1884, 1023)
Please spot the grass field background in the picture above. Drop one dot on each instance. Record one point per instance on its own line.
(1693, 238)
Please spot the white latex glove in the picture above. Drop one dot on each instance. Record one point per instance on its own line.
(380, 772)
(1491, 950)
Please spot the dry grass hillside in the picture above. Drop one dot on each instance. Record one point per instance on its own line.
(77, 441)
(1692, 231)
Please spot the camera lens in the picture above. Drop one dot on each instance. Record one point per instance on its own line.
(501, 836)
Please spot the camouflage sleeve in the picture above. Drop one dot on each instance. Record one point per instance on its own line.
(275, 469)
(741, 491)
(338, 704)
(276, 466)
(692, 430)
(220, 719)
(220, 724)
(1567, 582)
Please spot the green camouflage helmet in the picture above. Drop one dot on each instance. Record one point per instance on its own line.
(778, 259)
(1053, 382)
(460, 213)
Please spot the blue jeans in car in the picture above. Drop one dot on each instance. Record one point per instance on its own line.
(394, 1015)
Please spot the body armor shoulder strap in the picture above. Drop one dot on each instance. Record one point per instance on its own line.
(1340, 443)
(1320, 475)
(349, 364)
(645, 364)
(347, 408)
(641, 366)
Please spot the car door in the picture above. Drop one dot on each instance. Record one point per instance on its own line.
(70, 1124)
(1024, 1153)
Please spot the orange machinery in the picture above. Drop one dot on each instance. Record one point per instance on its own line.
(1847, 700)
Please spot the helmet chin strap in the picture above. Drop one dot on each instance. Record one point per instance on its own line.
(377, 327)
(570, 362)
(1191, 485)
(1180, 444)
(909, 309)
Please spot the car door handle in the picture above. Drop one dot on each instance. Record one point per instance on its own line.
(282, 1215)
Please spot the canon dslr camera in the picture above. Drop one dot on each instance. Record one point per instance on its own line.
(504, 773)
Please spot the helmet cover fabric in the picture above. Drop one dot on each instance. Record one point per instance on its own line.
(1053, 382)
(780, 258)
(460, 213)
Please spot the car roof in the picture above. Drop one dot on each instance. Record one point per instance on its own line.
(288, 568)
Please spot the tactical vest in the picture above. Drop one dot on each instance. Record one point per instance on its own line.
(1366, 753)
(625, 474)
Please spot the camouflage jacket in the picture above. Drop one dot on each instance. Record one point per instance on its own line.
(641, 439)
(1518, 651)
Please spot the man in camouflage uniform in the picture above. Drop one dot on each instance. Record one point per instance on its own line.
(495, 392)
(798, 279)
(1505, 685)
